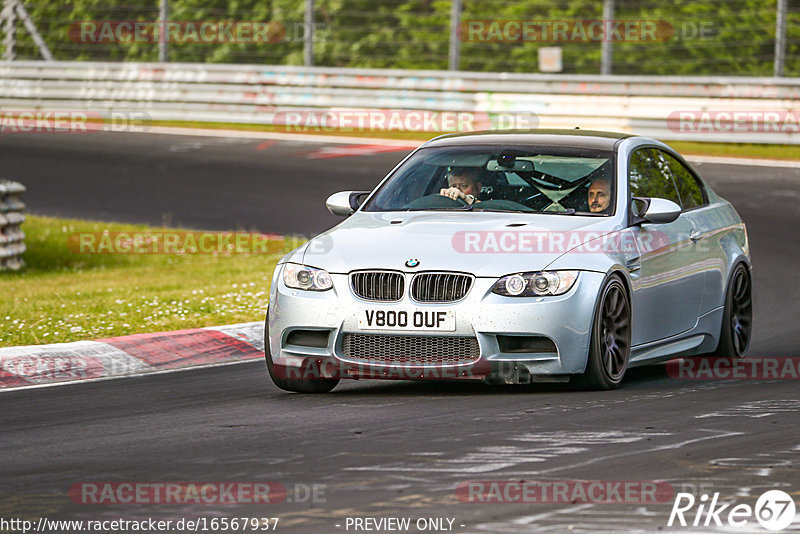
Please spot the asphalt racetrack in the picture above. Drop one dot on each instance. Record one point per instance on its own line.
(382, 449)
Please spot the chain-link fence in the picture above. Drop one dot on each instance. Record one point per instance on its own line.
(681, 37)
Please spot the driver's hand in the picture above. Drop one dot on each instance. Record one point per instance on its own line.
(454, 193)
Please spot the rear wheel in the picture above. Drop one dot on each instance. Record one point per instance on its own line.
(737, 317)
(313, 384)
(610, 345)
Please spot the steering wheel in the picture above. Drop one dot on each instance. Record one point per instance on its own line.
(460, 201)
(436, 201)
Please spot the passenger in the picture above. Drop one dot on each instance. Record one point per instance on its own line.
(599, 195)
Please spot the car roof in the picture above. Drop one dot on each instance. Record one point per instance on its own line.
(557, 138)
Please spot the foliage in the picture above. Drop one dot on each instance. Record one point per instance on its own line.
(713, 37)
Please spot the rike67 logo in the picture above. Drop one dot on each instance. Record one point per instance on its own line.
(774, 510)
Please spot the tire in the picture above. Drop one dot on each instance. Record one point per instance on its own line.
(610, 345)
(737, 317)
(297, 385)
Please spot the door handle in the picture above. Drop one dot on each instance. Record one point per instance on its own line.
(695, 236)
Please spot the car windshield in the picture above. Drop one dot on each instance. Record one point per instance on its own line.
(515, 179)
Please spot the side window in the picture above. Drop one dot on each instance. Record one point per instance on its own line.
(689, 188)
(649, 176)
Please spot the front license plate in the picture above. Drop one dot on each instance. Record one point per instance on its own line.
(413, 320)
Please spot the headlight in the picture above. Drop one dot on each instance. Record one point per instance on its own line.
(305, 277)
(536, 284)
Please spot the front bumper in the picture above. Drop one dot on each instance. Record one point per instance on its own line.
(566, 320)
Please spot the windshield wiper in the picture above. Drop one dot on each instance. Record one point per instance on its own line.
(569, 211)
(592, 214)
(501, 210)
(565, 212)
(467, 207)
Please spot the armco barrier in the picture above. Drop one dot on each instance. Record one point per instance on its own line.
(254, 94)
(12, 238)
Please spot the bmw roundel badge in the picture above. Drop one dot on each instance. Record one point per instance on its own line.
(413, 262)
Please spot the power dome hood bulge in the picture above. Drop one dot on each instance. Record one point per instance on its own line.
(483, 244)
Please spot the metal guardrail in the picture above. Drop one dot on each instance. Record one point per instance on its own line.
(254, 93)
(12, 238)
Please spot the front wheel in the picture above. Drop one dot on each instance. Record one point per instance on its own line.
(314, 384)
(610, 345)
(737, 317)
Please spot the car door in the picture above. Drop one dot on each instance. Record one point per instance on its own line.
(708, 254)
(667, 282)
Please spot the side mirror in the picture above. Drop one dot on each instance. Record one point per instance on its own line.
(653, 210)
(344, 203)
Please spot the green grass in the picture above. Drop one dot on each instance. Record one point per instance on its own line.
(63, 296)
(787, 152)
(369, 134)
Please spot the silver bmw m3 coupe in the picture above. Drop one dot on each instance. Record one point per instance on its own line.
(515, 257)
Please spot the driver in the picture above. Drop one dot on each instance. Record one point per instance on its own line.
(599, 195)
(463, 183)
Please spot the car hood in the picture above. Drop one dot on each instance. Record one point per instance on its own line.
(484, 244)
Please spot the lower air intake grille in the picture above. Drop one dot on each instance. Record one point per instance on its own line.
(410, 350)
